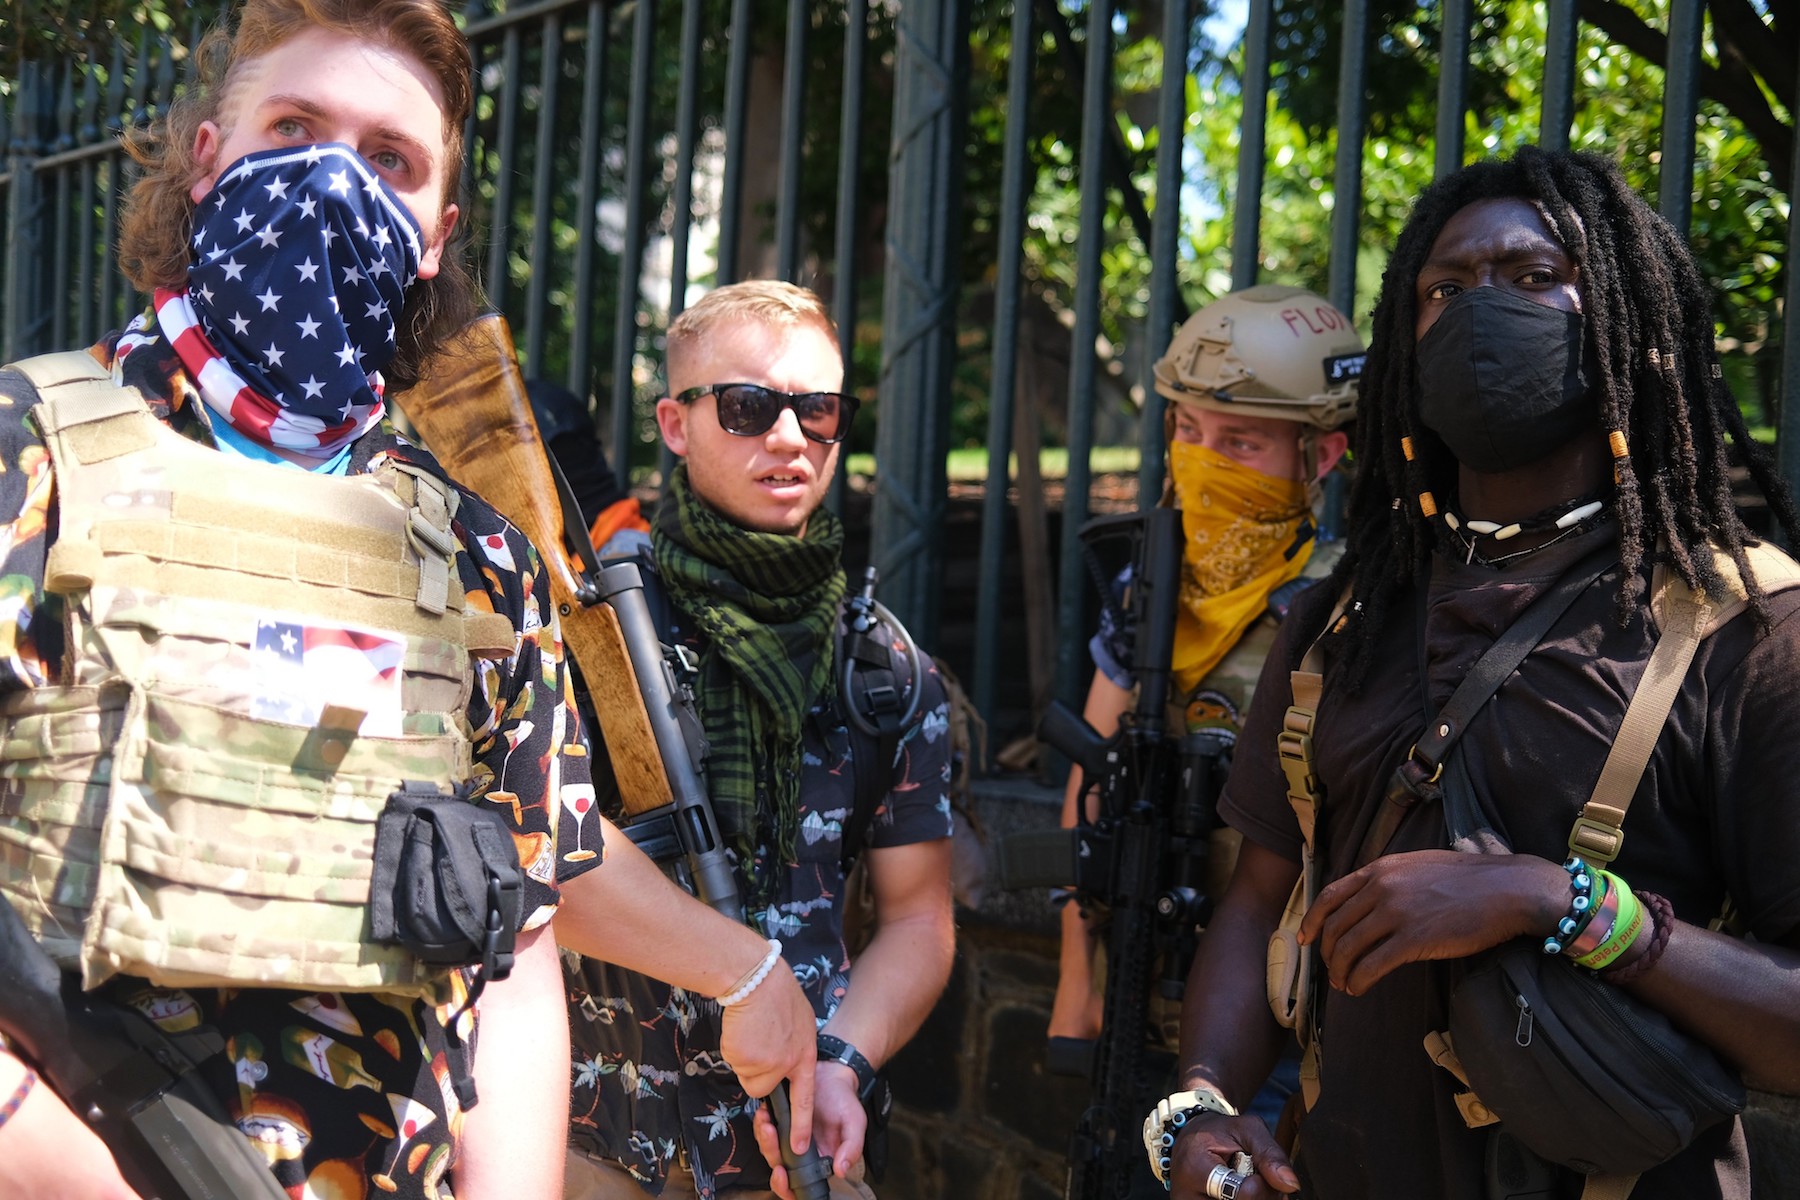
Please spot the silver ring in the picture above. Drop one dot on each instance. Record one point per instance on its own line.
(1223, 1183)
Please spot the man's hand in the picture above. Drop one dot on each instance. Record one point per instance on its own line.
(1211, 1140)
(1430, 904)
(840, 1119)
(770, 1036)
(47, 1153)
(841, 1124)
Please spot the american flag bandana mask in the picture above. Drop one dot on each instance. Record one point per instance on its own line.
(302, 259)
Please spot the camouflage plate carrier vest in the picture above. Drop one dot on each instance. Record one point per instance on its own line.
(158, 816)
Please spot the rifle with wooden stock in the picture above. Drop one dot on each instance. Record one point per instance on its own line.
(472, 410)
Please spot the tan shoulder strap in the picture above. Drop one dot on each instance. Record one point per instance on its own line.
(1683, 619)
(53, 370)
(1294, 744)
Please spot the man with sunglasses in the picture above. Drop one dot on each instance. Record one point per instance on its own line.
(750, 565)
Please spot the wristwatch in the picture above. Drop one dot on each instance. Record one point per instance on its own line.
(837, 1050)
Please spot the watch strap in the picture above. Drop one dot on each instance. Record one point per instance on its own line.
(836, 1049)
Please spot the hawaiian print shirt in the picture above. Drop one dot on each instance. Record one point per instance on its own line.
(341, 1090)
(647, 1073)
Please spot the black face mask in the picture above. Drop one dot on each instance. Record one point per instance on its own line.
(1501, 381)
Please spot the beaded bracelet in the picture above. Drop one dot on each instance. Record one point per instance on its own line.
(1600, 923)
(749, 982)
(1166, 1120)
(1626, 928)
(1581, 906)
(1662, 917)
(18, 1097)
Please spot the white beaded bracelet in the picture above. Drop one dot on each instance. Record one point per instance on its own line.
(1167, 1119)
(748, 983)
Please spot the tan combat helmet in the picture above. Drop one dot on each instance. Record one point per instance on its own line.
(1266, 351)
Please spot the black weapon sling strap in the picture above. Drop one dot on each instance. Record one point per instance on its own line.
(875, 738)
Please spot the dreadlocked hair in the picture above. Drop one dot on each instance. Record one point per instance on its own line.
(1648, 324)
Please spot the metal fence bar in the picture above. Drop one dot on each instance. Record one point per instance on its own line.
(1008, 280)
(1353, 117)
(506, 141)
(1165, 238)
(793, 100)
(86, 281)
(1453, 86)
(1681, 105)
(737, 104)
(919, 308)
(1096, 112)
(61, 264)
(543, 196)
(687, 122)
(1253, 147)
(686, 131)
(846, 276)
(1562, 38)
(1787, 439)
(593, 112)
(631, 256)
(112, 283)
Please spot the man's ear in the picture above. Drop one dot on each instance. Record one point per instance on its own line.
(207, 140)
(671, 420)
(1330, 447)
(434, 252)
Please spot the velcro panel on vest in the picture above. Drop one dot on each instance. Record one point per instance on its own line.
(275, 558)
(153, 639)
(206, 818)
(53, 797)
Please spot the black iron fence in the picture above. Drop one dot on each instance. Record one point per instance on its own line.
(626, 152)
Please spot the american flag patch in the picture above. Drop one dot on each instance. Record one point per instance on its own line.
(303, 666)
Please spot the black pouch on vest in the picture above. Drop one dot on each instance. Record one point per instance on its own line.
(1577, 1070)
(446, 882)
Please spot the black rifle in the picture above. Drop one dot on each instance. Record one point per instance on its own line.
(684, 831)
(132, 1084)
(1140, 857)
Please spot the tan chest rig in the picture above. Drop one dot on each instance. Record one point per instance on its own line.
(155, 819)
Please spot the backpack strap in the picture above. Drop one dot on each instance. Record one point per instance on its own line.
(878, 703)
(1683, 618)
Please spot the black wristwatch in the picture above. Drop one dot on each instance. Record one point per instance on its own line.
(837, 1050)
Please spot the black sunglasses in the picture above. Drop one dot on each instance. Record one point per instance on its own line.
(751, 410)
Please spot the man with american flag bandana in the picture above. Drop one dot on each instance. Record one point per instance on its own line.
(293, 225)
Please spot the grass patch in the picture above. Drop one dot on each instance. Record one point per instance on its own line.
(969, 464)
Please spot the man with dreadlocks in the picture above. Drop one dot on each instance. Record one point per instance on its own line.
(750, 565)
(1542, 412)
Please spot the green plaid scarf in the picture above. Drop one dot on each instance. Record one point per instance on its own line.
(767, 604)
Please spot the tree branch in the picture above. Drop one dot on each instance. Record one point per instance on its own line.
(1731, 84)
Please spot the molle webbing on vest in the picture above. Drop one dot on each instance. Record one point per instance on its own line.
(174, 814)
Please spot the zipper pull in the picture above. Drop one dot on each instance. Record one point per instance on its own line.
(1523, 1035)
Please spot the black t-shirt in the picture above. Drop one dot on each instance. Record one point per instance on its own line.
(1715, 813)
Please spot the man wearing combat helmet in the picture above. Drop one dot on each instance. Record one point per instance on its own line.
(1261, 383)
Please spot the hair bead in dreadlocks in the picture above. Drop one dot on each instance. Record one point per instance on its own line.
(1621, 452)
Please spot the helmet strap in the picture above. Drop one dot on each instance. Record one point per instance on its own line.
(1309, 467)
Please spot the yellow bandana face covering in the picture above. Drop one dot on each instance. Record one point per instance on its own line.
(1241, 528)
